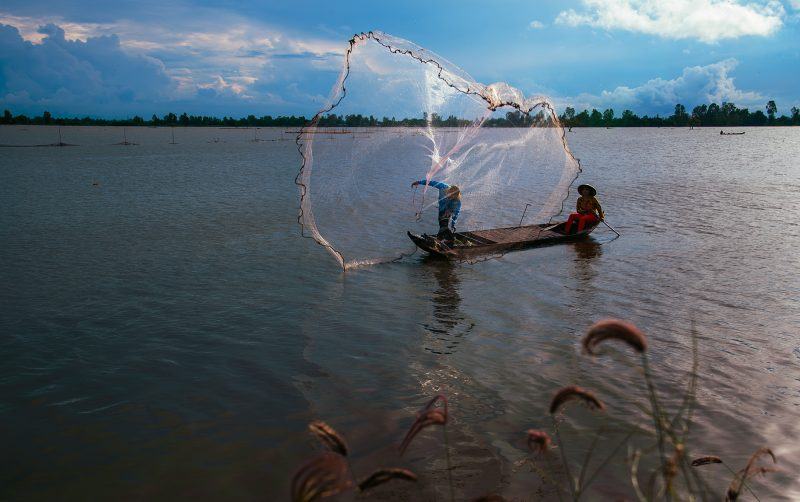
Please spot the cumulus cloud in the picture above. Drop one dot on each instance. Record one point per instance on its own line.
(696, 85)
(538, 25)
(208, 62)
(706, 20)
(70, 74)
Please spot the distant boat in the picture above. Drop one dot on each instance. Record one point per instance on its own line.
(723, 133)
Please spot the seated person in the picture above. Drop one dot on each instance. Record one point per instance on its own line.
(589, 211)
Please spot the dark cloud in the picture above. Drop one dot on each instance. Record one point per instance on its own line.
(72, 76)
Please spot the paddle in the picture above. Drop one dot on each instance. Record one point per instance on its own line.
(612, 229)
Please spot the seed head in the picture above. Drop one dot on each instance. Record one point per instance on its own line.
(614, 329)
(324, 475)
(574, 392)
(332, 439)
(538, 441)
(384, 475)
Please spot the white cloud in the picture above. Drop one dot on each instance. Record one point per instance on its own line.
(706, 20)
(695, 85)
(29, 27)
(59, 73)
(538, 25)
(795, 4)
(211, 53)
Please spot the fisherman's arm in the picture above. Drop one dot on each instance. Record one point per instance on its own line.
(599, 210)
(436, 184)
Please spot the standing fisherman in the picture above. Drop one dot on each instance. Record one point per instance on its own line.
(449, 207)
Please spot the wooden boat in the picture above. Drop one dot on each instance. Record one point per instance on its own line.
(468, 245)
(731, 133)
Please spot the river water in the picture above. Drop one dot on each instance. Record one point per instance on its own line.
(167, 332)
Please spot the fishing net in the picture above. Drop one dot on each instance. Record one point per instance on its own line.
(411, 115)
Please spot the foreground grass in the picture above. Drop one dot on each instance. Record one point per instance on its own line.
(675, 474)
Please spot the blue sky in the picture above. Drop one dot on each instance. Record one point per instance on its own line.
(116, 59)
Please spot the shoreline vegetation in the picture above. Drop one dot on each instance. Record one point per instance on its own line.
(712, 115)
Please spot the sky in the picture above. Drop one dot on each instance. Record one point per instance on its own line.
(124, 58)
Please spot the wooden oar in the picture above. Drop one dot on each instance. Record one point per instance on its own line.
(612, 229)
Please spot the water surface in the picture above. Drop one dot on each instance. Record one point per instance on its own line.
(166, 331)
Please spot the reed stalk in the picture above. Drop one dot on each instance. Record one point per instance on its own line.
(635, 475)
(449, 466)
(608, 459)
(657, 416)
(567, 471)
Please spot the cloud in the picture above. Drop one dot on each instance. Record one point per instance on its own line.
(695, 85)
(706, 20)
(75, 75)
(209, 61)
(30, 28)
(538, 25)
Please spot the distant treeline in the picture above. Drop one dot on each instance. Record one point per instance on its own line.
(712, 115)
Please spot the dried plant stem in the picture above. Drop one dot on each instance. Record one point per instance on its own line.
(553, 469)
(689, 402)
(657, 417)
(567, 472)
(744, 482)
(608, 458)
(635, 476)
(687, 477)
(449, 467)
(586, 461)
(544, 475)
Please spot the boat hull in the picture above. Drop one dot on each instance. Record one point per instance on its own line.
(497, 241)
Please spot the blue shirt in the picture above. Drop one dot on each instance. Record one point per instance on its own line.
(448, 208)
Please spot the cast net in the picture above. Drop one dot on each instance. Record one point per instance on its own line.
(411, 115)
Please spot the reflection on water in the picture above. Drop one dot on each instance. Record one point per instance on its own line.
(448, 324)
(584, 268)
(586, 253)
(587, 250)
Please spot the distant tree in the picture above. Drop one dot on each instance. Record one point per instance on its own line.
(514, 118)
(9, 119)
(700, 112)
(608, 117)
(772, 108)
(681, 118)
(795, 115)
(713, 115)
(569, 116)
(184, 119)
(628, 118)
(596, 118)
(46, 117)
(582, 119)
(137, 120)
(758, 118)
